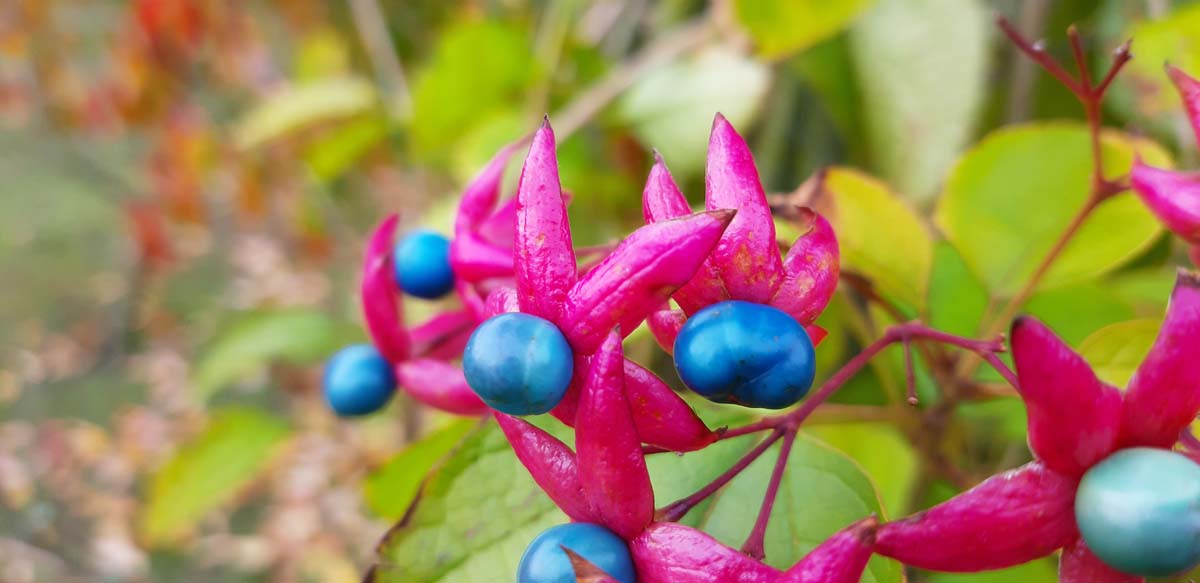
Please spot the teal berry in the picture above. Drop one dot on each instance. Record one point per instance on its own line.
(358, 381)
(518, 364)
(545, 561)
(1139, 511)
(422, 264)
(745, 353)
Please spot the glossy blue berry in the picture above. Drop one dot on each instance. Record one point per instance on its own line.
(518, 364)
(545, 562)
(358, 381)
(1139, 511)
(422, 264)
(745, 353)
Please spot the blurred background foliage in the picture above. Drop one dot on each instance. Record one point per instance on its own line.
(185, 186)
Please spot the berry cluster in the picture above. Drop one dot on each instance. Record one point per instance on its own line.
(541, 332)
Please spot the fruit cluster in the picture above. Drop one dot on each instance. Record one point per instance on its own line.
(541, 332)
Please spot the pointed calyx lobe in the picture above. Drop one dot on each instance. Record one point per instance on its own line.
(748, 255)
(840, 559)
(1074, 419)
(662, 201)
(672, 552)
(1173, 197)
(440, 385)
(811, 271)
(1189, 91)
(1163, 396)
(551, 463)
(1079, 565)
(545, 260)
(1011, 518)
(662, 417)
(612, 469)
(639, 276)
(379, 293)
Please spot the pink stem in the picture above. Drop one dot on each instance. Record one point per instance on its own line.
(754, 543)
(678, 509)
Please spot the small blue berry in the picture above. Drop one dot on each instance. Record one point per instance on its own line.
(745, 353)
(358, 381)
(422, 264)
(518, 364)
(1139, 511)
(545, 562)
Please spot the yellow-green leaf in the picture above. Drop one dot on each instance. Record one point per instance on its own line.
(781, 27)
(301, 106)
(880, 236)
(390, 489)
(1115, 351)
(209, 472)
(1009, 199)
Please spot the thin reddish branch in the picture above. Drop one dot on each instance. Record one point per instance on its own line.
(678, 509)
(1038, 54)
(754, 543)
(910, 374)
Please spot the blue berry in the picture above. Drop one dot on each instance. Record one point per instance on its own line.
(518, 364)
(358, 380)
(422, 264)
(1139, 511)
(545, 562)
(745, 353)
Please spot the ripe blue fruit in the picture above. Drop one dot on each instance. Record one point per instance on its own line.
(518, 364)
(544, 560)
(358, 380)
(745, 353)
(422, 264)
(1139, 511)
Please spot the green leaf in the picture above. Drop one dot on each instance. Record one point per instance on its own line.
(822, 492)
(473, 519)
(957, 301)
(1011, 197)
(1074, 312)
(478, 68)
(1116, 351)
(1040, 571)
(390, 489)
(335, 153)
(671, 108)
(880, 236)
(922, 65)
(781, 27)
(884, 454)
(211, 471)
(302, 106)
(257, 338)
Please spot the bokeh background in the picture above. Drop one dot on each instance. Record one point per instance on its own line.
(185, 186)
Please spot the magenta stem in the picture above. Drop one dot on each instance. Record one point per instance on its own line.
(754, 543)
(678, 509)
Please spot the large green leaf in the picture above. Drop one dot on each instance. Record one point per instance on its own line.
(922, 65)
(883, 452)
(880, 236)
(822, 492)
(957, 300)
(1075, 311)
(478, 68)
(671, 108)
(302, 106)
(235, 448)
(1040, 571)
(1116, 351)
(780, 27)
(391, 489)
(474, 517)
(255, 339)
(1009, 199)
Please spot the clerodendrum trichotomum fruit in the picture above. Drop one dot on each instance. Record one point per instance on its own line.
(518, 364)
(745, 353)
(422, 264)
(545, 561)
(1139, 511)
(358, 380)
